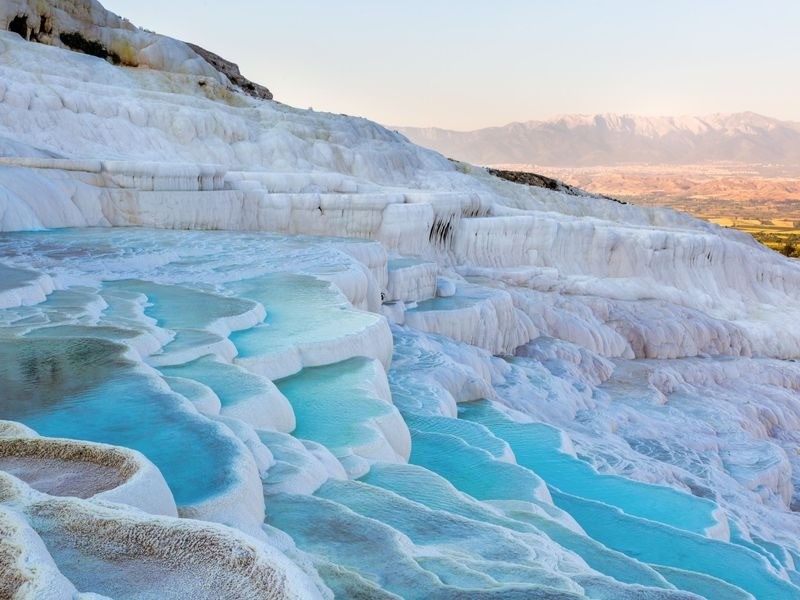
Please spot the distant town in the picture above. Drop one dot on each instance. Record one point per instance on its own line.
(762, 200)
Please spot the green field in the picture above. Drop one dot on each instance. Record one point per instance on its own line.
(782, 235)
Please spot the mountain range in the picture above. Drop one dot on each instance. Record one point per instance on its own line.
(613, 139)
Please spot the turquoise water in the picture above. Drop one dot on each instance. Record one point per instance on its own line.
(775, 554)
(116, 334)
(480, 547)
(659, 544)
(86, 389)
(359, 547)
(649, 523)
(425, 526)
(177, 307)
(366, 553)
(232, 385)
(62, 306)
(738, 538)
(474, 434)
(473, 470)
(466, 295)
(300, 309)
(335, 405)
(703, 585)
(188, 342)
(428, 488)
(13, 278)
(536, 447)
(68, 304)
(404, 527)
(123, 308)
(793, 574)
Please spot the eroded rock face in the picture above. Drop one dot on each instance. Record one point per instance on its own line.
(231, 71)
(85, 26)
(536, 180)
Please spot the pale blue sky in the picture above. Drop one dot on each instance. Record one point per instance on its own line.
(469, 64)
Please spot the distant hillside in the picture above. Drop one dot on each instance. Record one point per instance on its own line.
(594, 140)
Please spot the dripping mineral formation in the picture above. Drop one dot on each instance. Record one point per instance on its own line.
(250, 351)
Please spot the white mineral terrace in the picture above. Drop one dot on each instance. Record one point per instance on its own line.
(251, 351)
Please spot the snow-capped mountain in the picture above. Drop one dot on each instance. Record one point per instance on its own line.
(610, 139)
(250, 351)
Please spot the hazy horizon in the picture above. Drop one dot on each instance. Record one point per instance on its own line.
(466, 67)
(556, 117)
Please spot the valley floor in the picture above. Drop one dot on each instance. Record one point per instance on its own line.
(762, 200)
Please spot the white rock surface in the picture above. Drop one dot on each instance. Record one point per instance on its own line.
(655, 347)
